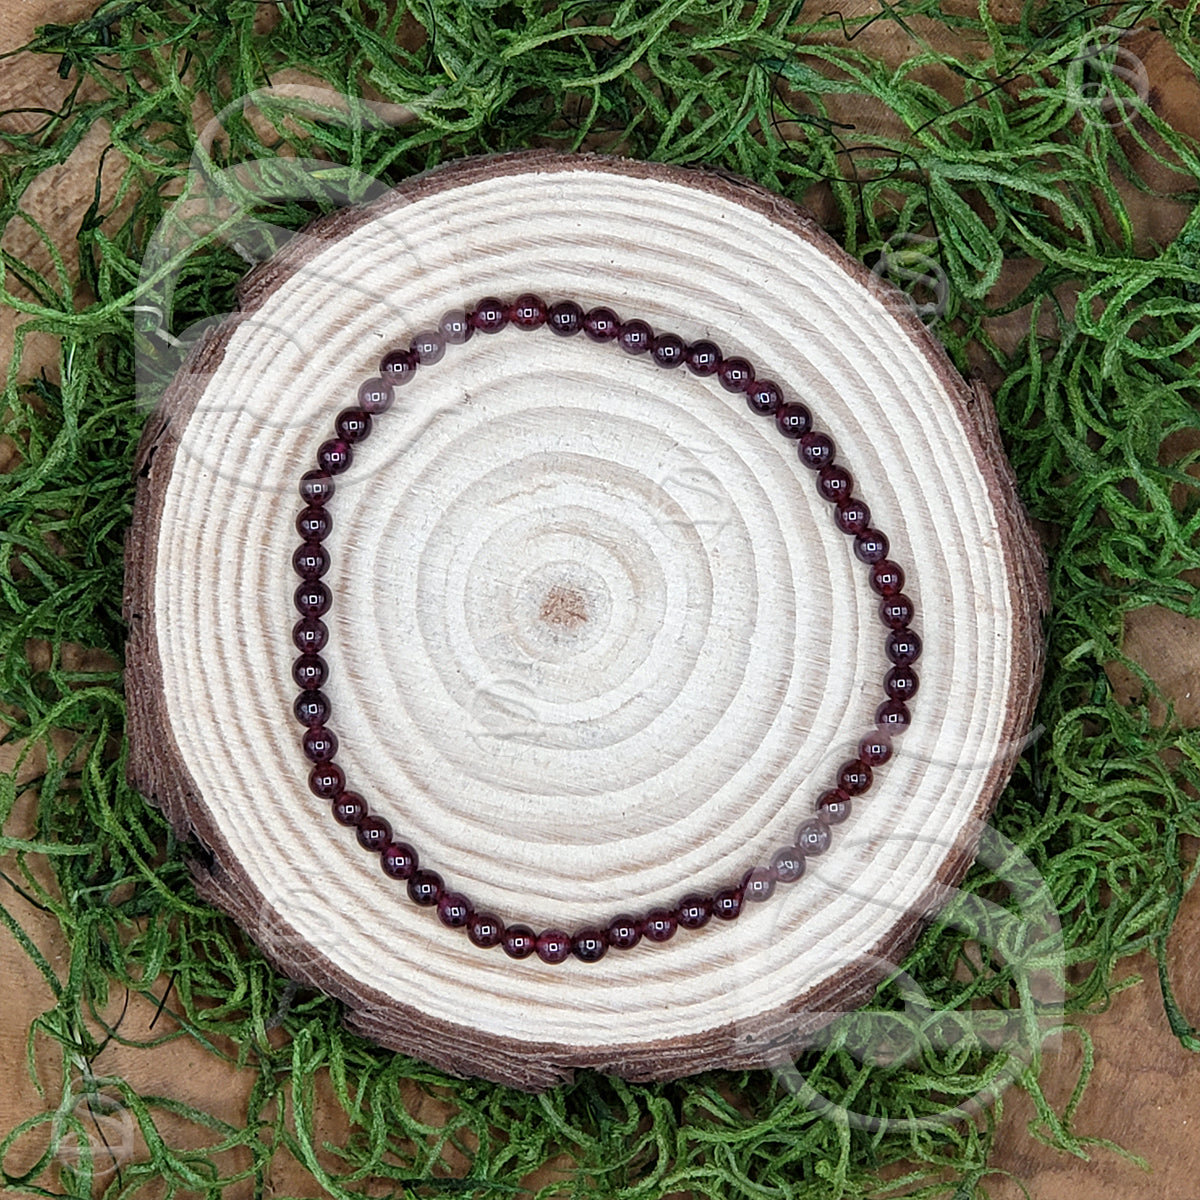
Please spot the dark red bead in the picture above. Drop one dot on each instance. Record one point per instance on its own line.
(703, 358)
(589, 945)
(887, 577)
(455, 327)
(319, 744)
(764, 397)
(903, 647)
(425, 888)
(375, 396)
(624, 932)
(326, 780)
(813, 838)
(399, 860)
(485, 930)
(896, 611)
(875, 749)
(316, 487)
(312, 598)
(334, 456)
(694, 911)
(314, 524)
(398, 367)
(428, 347)
(528, 311)
(490, 315)
(852, 515)
(854, 777)
(893, 716)
(816, 450)
(727, 903)
(454, 909)
(834, 483)
(309, 635)
(310, 671)
(553, 945)
(833, 807)
(667, 350)
(735, 374)
(310, 560)
(352, 424)
(871, 546)
(374, 833)
(519, 941)
(601, 324)
(635, 337)
(658, 925)
(349, 808)
(758, 884)
(793, 420)
(901, 683)
(565, 318)
(788, 864)
(312, 708)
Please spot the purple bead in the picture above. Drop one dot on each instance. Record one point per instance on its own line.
(376, 396)
(490, 315)
(519, 941)
(312, 598)
(399, 860)
(757, 884)
(735, 374)
(893, 716)
(635, 337)
(309, 635)
(312, 708)
(553, 945)
(764, 397)
(373, 833)
(428, 347)
(813, 838)
(310, 560)
(349, 808)
(875, 749)
(896, 611)
(352, 424)
(703, 358)
(565, 318)
(854, 777)
(310, 671)
(485, 930)
(454, 909)
(316, 487)
(319, 744)
(871, 546)
(852, 515)
(887, 577)
(816, 450)
(314, 524)
(624, 932)
(903, 647)
(901, 683)
(658, 925)
(727, 904)
(334, 456)
(601, 324)
(833, 807)
(834, 483)
(455, 327)
(788, 864)
(589, 945)
(397, 367)
(326, 780)
(425, 888)
(667, 350)
(528, 311)
(793, 420)
(694, 911)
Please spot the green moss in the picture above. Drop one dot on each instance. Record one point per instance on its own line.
(1015, 157)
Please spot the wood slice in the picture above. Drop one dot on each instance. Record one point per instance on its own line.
(596, 641)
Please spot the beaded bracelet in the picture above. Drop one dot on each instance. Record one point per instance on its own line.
(313, 599)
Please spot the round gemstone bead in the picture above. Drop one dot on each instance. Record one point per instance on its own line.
(589, 945)
(703, 358)
(833, 807)
(454, 909)
(348, 808)
(667, 350)
(352, 424)
(375, 396)
(813, 838)
(312, 708)
(854, 777)
(374, 833)
(319, 744)
(887, 577)
(635, 337)
(735, 374)
(314, 524)
(316, 487)
(428, 347)
(764, 397)
(788, 864)
(893, 715)
(834, 483)
(694, 911)
(758, 884)
(397, 367)
(309, 635)
(528, 311)
(901, 683)
(659, 925)
(565, 318)
(601, 324)
(553, 945)
(312, 598)
(624, 932)
(399, 860)
(310, 671)
(727, 903)
(816, 449)
(485, 930)
(519, 941)
(326, 780)
(455, 326)
(489, 315)
(896, 611)
(793, 420)
(310, 560)
(903, 647)
(875, 749)
(871, 546)
(852, 515)
(334, 456)
(425, 888)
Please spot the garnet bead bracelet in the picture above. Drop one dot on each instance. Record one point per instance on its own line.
(313, 598)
